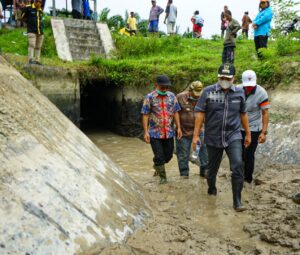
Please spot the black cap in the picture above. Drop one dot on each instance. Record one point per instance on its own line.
(163, 80)
(226, 70)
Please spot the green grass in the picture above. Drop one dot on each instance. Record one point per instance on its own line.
(138, 60)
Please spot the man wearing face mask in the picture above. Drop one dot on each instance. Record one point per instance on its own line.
(187, 101)
(222, 107)
(160, 109)
(257, 106)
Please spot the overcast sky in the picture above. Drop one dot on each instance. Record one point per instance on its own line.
(210, 10)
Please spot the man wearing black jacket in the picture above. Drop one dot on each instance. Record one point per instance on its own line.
(33, 14)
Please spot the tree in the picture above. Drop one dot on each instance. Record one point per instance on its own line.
(284, 11)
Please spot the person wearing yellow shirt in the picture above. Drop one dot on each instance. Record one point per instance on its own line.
(132, 24)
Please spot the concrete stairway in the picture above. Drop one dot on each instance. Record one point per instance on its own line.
(79, 39)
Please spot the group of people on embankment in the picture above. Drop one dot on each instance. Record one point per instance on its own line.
(220, 117)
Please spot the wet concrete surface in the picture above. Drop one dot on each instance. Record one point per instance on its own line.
(188, 221)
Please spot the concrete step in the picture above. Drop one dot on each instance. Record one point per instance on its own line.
(86, 48)
(83, 35)
(81, 29)
(79, 23)
(84, 56)
(85, 41)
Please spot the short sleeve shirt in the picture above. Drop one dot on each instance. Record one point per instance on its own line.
(132, 23)
(161, 110)
(222, 114)
(256, 101)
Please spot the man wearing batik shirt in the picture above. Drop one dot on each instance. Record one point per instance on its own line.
(257, 106)
(160, 109)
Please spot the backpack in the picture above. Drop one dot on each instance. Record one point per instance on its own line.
(199, 21)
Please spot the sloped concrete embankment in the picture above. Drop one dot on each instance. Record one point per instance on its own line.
(59, 193)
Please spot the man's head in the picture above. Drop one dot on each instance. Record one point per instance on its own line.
(153, 2)
(195, 89)
(162, 84)
(226, 75)
(170, 1)
(38, 3)
(131, 14)
(196, 13)
(264, 4)
(225, 8)
(228, 16)
(246, 13)
(249, 80)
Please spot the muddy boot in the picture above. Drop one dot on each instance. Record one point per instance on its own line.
(212, 190)
(237, 187)
(203, 171)
(296, 199)
(162, 174)
(155, 170)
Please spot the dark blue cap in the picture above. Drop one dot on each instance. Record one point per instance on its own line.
(163, 80)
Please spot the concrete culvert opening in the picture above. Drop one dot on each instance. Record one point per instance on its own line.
(106, 106)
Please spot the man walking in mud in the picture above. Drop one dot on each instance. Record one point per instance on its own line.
(222, 107)
(187, 101)
(257, 106)
(160, 109)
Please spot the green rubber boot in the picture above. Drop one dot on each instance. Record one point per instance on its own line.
(162, 174)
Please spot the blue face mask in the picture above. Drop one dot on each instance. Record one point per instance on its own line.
(161, 93)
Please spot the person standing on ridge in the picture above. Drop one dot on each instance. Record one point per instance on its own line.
(262, 26)
(246, 21)
(132, 24)
(154, 17)
(170, 18)
(33, 14)
(229, 40)
(224, 22)
(257, 107)
(222, 107)
(187, 101)
(198, 23)
(160, 109)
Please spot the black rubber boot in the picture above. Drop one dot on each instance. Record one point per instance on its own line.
(237, 187)
(155, 170)
(212, 190)
(162, 174)
(203, 171)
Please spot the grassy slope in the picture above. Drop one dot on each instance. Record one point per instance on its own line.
(138, 60)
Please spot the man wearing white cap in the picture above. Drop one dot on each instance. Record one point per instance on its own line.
(257, 106)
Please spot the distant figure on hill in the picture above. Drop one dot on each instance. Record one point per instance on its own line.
(33, 14)
(246, 21)
(224, 22)
(262, 26)
(77, 9)
(170, 18)
(198, 23)
(132, 24)
(1, 15)
(86, 9)
(229, 40)
(154, 17)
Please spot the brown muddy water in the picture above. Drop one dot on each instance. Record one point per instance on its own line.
(188, 221)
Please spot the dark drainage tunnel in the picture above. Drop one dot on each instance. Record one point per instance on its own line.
(105, 107)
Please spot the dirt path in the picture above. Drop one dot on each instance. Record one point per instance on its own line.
(188, 221)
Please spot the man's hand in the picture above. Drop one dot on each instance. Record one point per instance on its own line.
(194, 143)
(147, 137)
(247, 141)
(262, 138)
(179, 133)
(254, 26)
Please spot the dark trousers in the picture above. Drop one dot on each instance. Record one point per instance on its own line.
(234, 153)
(228, 54)
(245, 32)
(162, 150)
(260, 41)
(249, 155)
(76, 14)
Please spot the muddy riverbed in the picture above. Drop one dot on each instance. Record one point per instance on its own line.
(188, 221)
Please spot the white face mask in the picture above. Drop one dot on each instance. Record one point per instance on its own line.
(225, 84)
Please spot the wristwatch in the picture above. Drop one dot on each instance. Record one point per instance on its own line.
(265, 133)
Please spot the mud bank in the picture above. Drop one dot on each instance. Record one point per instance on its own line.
(188, 221)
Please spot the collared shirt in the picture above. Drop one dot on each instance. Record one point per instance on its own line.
(222, 114)
(171, 10)
(161, 110)
(256, 101)
(186, 114)
(155, 12)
